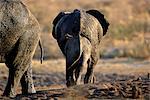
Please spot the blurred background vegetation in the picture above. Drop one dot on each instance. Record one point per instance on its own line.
(129, 31)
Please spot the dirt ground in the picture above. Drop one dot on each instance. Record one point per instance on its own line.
(115, 78)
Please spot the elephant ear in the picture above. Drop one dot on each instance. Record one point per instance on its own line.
(55, 21)
(100, 17)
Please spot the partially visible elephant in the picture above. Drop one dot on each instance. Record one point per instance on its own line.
(19, 36)
(78, 34)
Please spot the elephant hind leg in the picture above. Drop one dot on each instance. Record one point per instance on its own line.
(27, 82)
(86, 54)
(82, 64)
(18, 61)
(8, 90)
(79, 70)
(89, 76)
(70, 81)
(15, 74)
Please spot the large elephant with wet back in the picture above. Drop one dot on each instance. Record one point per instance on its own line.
(78, 34)
(19, 36)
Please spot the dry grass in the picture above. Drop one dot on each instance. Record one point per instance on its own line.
(119, 66)
(107, 66)
(128, 20)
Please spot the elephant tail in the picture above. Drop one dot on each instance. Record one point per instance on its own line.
(72, 65)
(40, 44)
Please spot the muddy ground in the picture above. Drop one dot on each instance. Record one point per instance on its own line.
(116, 78)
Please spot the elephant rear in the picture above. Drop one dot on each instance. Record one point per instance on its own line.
(19, 37)
(78, 34)
(15, 19)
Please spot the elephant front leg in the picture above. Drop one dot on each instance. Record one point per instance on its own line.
(27, 82)
(72, 55)
(70, 77)
(70, 69)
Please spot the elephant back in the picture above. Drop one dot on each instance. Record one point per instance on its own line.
(13, 14)
(90, 28)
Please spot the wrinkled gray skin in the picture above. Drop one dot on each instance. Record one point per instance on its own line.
(78, 34)
(19, 36)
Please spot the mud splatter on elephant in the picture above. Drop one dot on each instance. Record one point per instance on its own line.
(19, 36)
(78, 34)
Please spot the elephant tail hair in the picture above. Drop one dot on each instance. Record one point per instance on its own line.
(40, 44)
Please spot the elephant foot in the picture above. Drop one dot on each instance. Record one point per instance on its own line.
(93, 79)
(70, 83)
(78, 82)
(28, 91)
(32, 90)
(89, 79)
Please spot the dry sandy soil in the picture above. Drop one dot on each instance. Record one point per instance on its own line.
(116, 78)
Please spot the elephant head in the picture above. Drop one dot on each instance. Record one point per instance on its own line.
(100, 17)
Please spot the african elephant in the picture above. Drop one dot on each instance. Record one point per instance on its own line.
(78, 35)
(19, 36)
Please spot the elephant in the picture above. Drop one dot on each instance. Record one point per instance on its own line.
(78, 34)
(19, 37)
